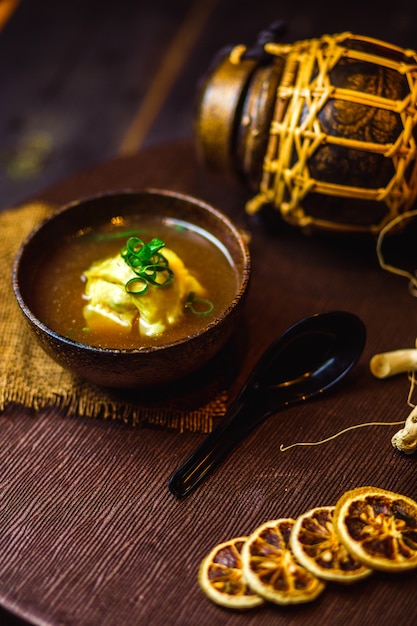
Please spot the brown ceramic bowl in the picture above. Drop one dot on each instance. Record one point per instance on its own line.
(143, 366)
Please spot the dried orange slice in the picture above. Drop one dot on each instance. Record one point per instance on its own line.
(316, 545)
(270, 568)
(221, 577)
(378, 527)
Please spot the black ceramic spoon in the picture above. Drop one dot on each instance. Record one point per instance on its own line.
(304, 362)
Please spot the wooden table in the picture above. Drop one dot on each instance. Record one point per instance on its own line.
(90, 534)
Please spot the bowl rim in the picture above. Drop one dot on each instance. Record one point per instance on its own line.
(241, 290)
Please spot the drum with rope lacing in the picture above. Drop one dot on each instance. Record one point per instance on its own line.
(324, 130)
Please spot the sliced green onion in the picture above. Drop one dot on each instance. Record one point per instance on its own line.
(116, 235)
(137, 286)
(150, 266)
(112, 236)
(151, 272)
(193, 299)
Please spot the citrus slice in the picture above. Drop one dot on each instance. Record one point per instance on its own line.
(221, 577)
(316, 545)
(270, 568)
(378, 527)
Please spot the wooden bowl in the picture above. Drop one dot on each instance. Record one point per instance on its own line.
(144, 366)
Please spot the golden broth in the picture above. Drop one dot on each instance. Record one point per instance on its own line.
(58, 290)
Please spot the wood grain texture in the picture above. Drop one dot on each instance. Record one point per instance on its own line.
(89, 533)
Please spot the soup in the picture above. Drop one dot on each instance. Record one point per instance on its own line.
(59, 289)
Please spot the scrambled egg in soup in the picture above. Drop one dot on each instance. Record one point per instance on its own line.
(110, 307)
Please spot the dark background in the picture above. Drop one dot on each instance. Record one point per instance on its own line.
(84, 81)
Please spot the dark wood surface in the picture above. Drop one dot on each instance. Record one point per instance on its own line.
(89, 534)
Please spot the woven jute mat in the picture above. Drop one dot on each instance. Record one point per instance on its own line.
(31, 378)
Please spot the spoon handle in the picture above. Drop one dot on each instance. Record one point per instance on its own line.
(238, 421)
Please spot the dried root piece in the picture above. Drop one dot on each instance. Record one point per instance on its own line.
(396, 362)
(406, 438)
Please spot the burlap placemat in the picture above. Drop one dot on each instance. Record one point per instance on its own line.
(31, 378)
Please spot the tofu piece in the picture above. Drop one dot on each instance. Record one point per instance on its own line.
(161, 307)
(110, 307)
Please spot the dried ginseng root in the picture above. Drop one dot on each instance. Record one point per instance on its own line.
(378, 527)
(271, 570)
(221, 578)
(316, 545)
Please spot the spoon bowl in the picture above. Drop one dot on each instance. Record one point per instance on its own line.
(308, 359)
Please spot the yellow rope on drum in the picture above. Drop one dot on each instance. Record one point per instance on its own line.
(304, 90)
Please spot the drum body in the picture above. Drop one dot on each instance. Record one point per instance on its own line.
(324, 130)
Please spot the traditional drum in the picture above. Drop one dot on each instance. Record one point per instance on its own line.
(324, 130)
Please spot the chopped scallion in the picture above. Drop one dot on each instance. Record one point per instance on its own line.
(150, 266)
(195, 303)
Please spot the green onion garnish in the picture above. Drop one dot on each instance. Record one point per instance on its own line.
(149, 265)
(122, 234)
(137, 286)
(87, 236)
(192, 299)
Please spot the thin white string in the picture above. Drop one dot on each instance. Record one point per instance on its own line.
(413, 290)
(386, 266)
(341, 432)
(412, 379)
